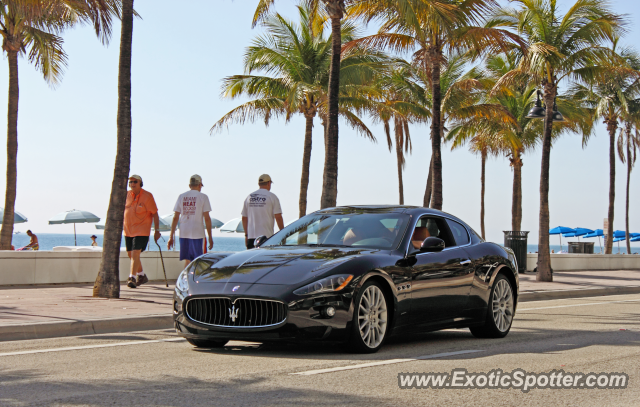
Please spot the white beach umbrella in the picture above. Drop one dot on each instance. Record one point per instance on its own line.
(234, 225)
(74, 216)
(215, 223)
(17, 217)
(164, 225)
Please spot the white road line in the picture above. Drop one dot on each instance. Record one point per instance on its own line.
(109, 345)
(576, 305)
(383, 362)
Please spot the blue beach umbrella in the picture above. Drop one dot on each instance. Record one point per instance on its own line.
(578, 232)
(560, 230)
(618, 237)
(596, 233)
(619, 233)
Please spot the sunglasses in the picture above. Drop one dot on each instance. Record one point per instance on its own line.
(133, 182)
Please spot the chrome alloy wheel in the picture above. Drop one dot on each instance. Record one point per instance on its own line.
(502, 305)
(372, 316)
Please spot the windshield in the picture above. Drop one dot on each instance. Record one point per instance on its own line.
(366, 230)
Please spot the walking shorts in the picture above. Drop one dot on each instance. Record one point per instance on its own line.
(191, 248)
(136, 243)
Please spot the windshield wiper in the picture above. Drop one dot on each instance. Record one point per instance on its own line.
(331, 245)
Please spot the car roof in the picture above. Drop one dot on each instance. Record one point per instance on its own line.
(408, 209)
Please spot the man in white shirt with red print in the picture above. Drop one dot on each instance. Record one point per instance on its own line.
(260, 211)
(191, 207)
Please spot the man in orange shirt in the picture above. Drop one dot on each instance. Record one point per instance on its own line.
(140, 210)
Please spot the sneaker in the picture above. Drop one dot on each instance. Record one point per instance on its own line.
(142, 279)
(131, 282)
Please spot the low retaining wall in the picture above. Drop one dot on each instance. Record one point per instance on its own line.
(585, 262)
(44, 267)
(47, 267)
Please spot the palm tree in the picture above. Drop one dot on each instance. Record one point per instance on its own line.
(335, 10)
(33, 28)
(517, 133)
(560, 47)
(430, 28)
(397, 97)
(107, 284)
(628, 147)
(610, 98)
(506, 126)
(296, 60)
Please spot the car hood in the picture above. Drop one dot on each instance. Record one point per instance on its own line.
(277, 265)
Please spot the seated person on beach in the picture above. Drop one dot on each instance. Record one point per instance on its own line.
(33, 244)
(93, 241)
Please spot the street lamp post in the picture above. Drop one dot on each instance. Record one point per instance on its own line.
(538, 111)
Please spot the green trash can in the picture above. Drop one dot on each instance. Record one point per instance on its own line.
(517, 241)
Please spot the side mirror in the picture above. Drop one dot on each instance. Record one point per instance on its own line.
(261, 239)
(432, 244)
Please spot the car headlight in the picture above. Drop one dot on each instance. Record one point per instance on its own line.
(183, 281)
(333, 283)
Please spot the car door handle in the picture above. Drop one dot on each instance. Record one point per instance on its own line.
(462, 263)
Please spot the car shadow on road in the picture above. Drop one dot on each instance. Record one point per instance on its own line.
(535, 340)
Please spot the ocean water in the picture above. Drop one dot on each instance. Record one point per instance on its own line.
(48, 241)
(223, 243)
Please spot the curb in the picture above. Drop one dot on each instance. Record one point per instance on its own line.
(585, 292)
(44, 330)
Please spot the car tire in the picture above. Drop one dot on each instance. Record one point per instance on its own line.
(370, 323)
(206, 343)
(500, 311)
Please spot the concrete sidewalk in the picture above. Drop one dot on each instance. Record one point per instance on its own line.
(44, 311)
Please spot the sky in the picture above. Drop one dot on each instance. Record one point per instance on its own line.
(67, 136)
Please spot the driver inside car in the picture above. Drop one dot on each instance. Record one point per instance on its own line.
(362, 230)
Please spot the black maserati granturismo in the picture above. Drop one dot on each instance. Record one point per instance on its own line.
(353, 274)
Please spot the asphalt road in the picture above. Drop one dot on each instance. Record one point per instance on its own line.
(155, 368)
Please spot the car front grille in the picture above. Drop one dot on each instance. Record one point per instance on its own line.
(241, 313)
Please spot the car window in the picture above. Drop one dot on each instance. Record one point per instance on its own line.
(476, 234)
(431, 226)
(353, 229)
(459, 232)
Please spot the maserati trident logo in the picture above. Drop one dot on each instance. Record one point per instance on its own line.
(233, 313)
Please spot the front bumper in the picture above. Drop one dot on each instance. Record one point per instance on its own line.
(304, 320)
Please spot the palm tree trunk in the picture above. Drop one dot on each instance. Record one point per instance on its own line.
(516, 202)
(544, 257)
(435, 56)
(612, 126)
(12, 153)
(626, 212)
(400, 158)
(483, 160)
(335, 9)
(306, 161)
(107, 284)
(429, 190)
